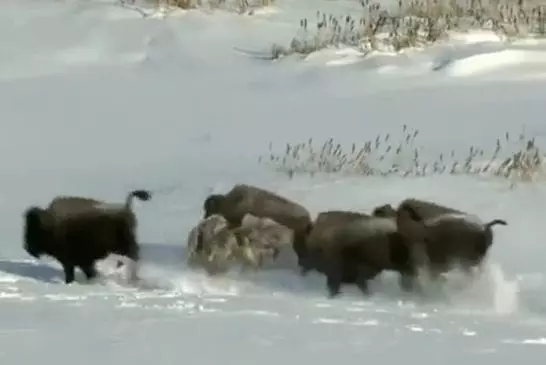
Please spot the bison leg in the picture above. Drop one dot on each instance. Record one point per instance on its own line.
(89, 270)
(251, 258)
(306, 265)
(300, 248)
(407, 282)
(365, 274)
(333, 282)
(68, 272)
(334, 276)
(362, 284)
(276, 252)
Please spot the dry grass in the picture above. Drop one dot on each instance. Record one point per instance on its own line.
(414, 23)
(239, 6)
(514, 159)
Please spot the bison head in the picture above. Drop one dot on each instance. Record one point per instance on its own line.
(384, 211)
(213, 205)
(36, 232)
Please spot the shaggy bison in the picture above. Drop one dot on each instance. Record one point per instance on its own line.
(213, 245)
(264, 237)
(445, 238)
(245, 199)
(63, 206)
(80, 238)
(351, 247)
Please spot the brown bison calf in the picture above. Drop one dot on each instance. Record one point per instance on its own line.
(353, 247)
(245, 199)
(443, 239)
(80, 238)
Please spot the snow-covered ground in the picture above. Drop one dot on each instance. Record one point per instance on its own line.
(96, 100)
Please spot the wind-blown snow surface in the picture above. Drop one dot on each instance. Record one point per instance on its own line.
(95, 100)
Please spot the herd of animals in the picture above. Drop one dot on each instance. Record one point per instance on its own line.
(249, 225)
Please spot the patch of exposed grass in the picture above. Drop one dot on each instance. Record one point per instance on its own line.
(416, 23)
(517, 159)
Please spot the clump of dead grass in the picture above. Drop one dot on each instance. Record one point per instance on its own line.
(385, 155)
(239, 6)
(416, 23)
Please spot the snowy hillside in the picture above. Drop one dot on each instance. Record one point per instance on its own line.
(96, 100)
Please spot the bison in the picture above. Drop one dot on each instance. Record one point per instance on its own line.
(263, 238)
(210, 244)
(246, 199)
(215, 246)
(350, 247)
(63, 206)
(443, 239)
(88, 234)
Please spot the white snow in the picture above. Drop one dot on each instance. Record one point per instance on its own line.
(96, 100)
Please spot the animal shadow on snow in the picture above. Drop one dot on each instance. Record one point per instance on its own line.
(34, 270)
(48, 272)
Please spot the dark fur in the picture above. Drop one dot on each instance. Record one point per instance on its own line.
(347, 248)
(80, 239)
(427, 209)
(424, 209)
(246, 199)
(62, 206)
(384, 211)
(440, 241)
(324, 228)
(66, 205)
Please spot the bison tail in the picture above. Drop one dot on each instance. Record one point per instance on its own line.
(143, 195)
(495, 222)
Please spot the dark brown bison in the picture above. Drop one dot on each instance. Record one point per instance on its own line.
(324, 227)
(444, 239)
(63, 206)
(350, 247)
(424, 209)
(83, 237)
(244, 199)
